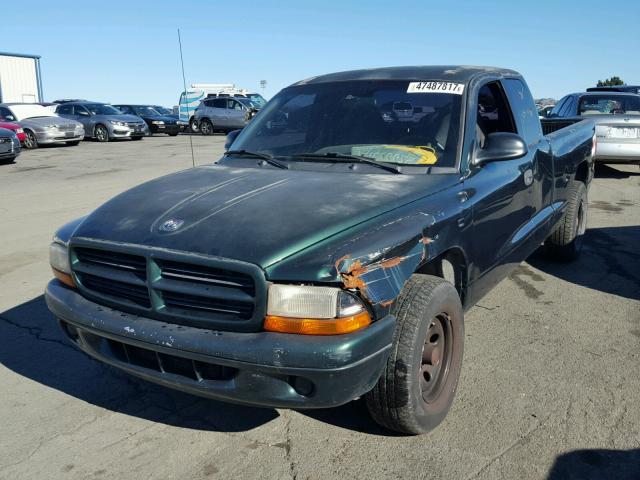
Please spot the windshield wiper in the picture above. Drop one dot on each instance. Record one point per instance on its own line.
(347, 158)
(267, 158)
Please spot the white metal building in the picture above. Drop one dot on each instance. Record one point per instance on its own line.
(20, 79)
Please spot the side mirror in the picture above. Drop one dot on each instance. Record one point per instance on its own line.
(501, 146)
(231, 136)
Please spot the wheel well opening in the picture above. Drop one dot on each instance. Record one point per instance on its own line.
(450, 265)
(582, 173)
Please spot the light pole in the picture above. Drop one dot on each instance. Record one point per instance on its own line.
(263, 84)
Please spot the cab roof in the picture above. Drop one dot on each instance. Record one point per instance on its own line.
(452, 73)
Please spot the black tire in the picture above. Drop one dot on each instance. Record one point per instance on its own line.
(418, 384)
(74, 143)
(30, 141)
(101, 133)
(193, 125)
(206, 127)
(137, 138)
(173, 134)
(565, 243)
(7, 161)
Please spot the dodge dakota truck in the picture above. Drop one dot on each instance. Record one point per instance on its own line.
(331, 252)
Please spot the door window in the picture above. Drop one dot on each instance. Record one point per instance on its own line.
(494, 114)
(65, 110)
(523, 105)
(6, 114)
(80, 110)
(220, 103)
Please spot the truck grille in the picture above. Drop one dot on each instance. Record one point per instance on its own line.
(203, 292)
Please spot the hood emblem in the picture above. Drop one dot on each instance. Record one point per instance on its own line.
(171, 225)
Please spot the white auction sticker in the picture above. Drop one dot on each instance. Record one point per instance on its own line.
(436, 87)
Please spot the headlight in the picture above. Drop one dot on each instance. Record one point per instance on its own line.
(314, 310)
(158, 122)
(120, 124)
(59, 261)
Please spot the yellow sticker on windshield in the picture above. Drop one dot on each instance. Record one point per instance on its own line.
(426, 155)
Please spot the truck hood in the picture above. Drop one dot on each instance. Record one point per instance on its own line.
(258, 215)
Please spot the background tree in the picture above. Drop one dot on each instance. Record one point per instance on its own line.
(610, 82)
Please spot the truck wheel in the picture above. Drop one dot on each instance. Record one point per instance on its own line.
(193, 125)
(565, 243)
(30, 141)
(417, 386)
(206, 127)
(101, 133)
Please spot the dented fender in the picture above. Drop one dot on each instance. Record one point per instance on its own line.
(376, 258)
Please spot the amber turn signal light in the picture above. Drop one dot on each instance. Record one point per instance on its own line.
(315, 326)
(64, 278)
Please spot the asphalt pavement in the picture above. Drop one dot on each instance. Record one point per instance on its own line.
(550, 385)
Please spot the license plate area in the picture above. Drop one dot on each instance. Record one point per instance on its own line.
(624, 132)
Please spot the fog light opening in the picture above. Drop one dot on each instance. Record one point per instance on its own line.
(70, 330)
(302, 386)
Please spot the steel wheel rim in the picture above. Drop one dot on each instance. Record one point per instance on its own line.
(437, 353)
(204, 128)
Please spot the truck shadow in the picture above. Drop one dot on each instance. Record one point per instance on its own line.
(609, 262)
(597, 464)
(35, 348)
(602, 170)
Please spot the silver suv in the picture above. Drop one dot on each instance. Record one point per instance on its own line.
(224, 114)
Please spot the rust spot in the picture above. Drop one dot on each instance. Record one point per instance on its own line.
(392, 262)
(426, 240)
(386, 303)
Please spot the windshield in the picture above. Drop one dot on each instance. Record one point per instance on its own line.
(358, 118)
(102, 109)
(247, 102)
(22, 112)
(145, 110)
(257, 99)
(609, 105)
(163, 110)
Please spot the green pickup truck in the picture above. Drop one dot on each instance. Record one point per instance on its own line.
(331, 252)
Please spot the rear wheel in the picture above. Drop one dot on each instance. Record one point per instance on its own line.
(30, 141)
(206, 127)
(193, 125)
(417, 386)
(565, 243)
(137, 138)
(173, 134)
(101, 133)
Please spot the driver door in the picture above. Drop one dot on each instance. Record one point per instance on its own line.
(502, 198)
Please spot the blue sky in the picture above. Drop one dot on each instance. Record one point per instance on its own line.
(127, 51)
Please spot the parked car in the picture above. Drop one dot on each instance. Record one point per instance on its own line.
(157, 122)
(191, 98)
(223, 114)
(617, 119)
(617, 88)
(332, 257)
(41, 126)
(17, 129)
(104, 122)
(9, 145)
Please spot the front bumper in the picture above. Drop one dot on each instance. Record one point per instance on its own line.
(166, 128)
(118, 131)
(262, 368)
(10, 149)
(59, 136)
(624, 151)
